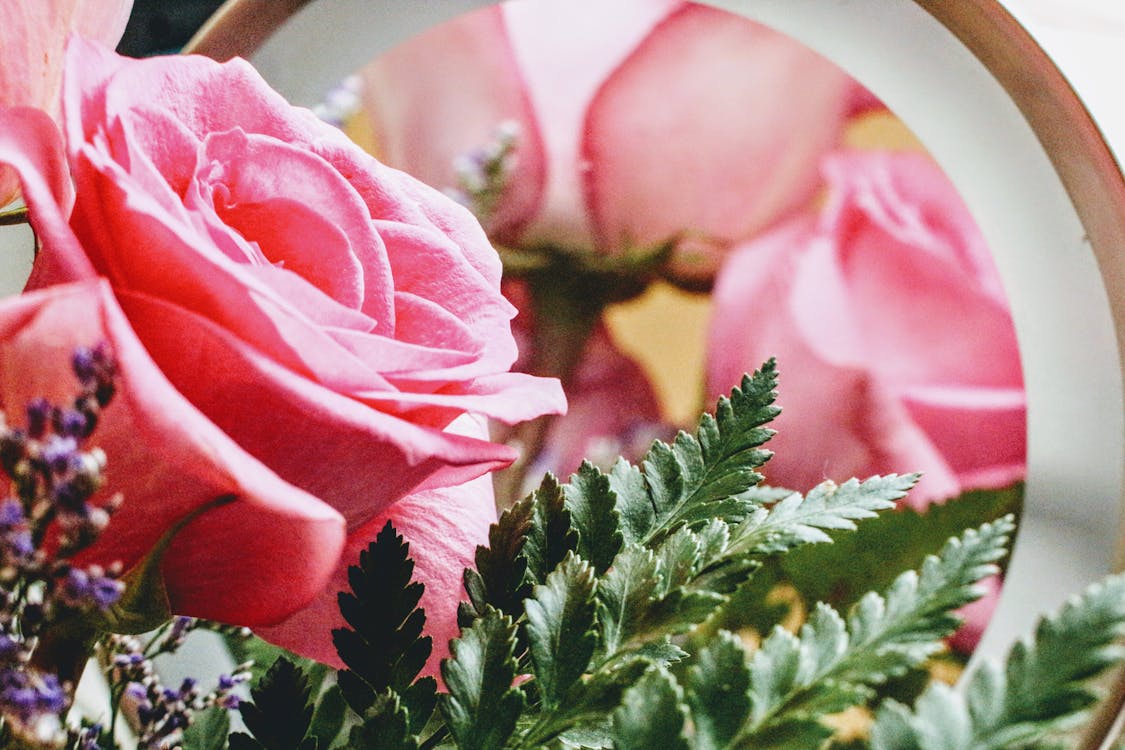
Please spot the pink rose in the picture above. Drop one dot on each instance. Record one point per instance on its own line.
(891, 329)
(640, 121)
(331, 316)
(443, 527)
(251, 561)
(32, 36)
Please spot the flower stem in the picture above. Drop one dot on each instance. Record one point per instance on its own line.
(14, 216)
(565, 307)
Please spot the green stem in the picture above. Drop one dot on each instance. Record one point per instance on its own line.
(566, 305)
(14, 217)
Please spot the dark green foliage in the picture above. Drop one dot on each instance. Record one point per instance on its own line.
(870, 557)
(208, 731)
(592, 504)
(482, 706)
(560, 628)
(385, 726)
(550, 537)
(500, 577)
(1039, 690)
(591, 620)
(700, 477)
(280, 714)
(719, 692)
(384, 648)
(652, 715)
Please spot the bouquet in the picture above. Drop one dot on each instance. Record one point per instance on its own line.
(247, 392)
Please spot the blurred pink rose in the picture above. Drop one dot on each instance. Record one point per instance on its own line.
(329, 315)
(640, 121)
(892, 333)
(33, 34)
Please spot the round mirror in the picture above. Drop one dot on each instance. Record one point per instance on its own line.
(1024, 154)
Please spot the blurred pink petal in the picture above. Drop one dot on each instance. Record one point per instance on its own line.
(32, 37)
(613, 411)
(643, 121)
(892, 333)
(714, 127)
(453, 105)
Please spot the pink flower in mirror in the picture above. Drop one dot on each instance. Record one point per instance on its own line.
(637, 122)
(891, 330)
(33, 35)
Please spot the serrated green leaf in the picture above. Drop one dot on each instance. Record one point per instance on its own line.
(560, 628)
(652, 714)
(794, 733)
(592, 505)
(385, 726)
(871, 556)
(329, 714)
(679, 555)
(500, 577)
(731, 440)
(718, 688)
(208, 730)
(699, 477)
(482, 706)
(829, 666)
(635, 510)
(662, 652)
(280, 714)
(588, 702)
(795, 521)
(384, 647)
(625, 595)
(1043, 688)
(918, 608)
(550, 536)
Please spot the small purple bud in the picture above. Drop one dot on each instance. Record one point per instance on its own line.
(105, 592)
(11, 514)
(70, 423)
(84, 367)
(38, 414)
(58, 453)
(10, 649)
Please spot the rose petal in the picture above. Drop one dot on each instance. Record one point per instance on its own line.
(412, 96)
(31, 144)
(838, 419)
(565, 49)
(739, 113)
(982, 432)
(33, 36)
(443, 528)
(264, 406)
(269, 551)
(923, 295)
